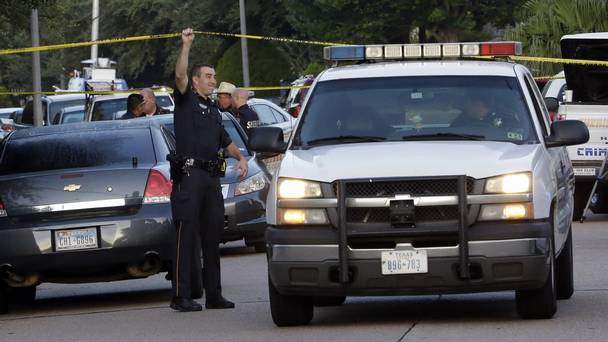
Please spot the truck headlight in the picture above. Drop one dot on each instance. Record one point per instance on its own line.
(297, 188)
(509, 184)
(513, 211)
(301, 216)
(256, 182)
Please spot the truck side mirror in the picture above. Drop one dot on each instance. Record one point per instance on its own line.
(268, 140)
(567, 133)
(552, 104)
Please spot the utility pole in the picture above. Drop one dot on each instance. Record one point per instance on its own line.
(244, 53)
(95, 29)
(36, 82)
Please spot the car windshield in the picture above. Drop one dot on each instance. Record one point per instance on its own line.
(78, 149)
(106, 110)
(416, 108)
(236, 137)
(76, 116)
(164, 101)
(57, 106)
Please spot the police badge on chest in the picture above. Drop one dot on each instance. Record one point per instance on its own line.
(204, 108)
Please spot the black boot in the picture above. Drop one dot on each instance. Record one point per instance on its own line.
(219, 303)
(185, 304)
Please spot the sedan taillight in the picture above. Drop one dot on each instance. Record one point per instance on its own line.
(158, 188)
(2, 210)
(7, 127)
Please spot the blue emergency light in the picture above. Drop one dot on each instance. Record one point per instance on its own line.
(344, 53)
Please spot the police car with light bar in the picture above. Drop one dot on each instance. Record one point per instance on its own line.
(420, 169)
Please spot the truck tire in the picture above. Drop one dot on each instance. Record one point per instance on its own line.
(23, 295)
(539, 303)
(289, 310)
(564, 271)
(582, 190)
(329, 300)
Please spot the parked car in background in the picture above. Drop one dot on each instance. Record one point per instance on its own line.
(70, 115)
(16, 116)
(588, 102)
(112, 107)
(296, 96)
(6, 112)
(555, 88)
(244, 200)
(91, 202)
(6, 126)
(270, 114)
(51, 106)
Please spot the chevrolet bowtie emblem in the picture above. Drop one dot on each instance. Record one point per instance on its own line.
(71, 187)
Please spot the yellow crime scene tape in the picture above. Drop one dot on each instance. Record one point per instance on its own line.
(154, 37)
(110, 92)
(247, 36)
(588, 62)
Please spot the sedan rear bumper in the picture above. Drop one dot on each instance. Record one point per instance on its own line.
(122, 240)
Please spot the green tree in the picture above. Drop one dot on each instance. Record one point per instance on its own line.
(544, 22)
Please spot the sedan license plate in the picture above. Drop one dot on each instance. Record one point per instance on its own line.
(404, 262)
(74, 239)
(584, 171)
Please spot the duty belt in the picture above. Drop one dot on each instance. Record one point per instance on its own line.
(207, 165)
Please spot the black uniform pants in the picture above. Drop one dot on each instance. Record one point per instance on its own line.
(198, 213)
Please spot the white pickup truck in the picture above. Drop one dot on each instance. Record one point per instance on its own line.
(418, 172)
(588, 103)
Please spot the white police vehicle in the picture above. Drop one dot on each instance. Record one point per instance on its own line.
(429, 174)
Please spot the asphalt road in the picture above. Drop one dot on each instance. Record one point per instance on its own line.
(138, 310)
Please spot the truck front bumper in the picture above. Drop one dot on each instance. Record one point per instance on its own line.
(499, 260)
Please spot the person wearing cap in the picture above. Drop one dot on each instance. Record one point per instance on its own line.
(246, 116)
(224, 97)
(135, 107)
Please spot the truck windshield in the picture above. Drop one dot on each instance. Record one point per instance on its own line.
(416, 108)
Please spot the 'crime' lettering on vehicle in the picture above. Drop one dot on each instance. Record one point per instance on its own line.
(591, 152)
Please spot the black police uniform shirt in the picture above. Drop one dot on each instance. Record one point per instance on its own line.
(248, 118)
(199, 132)
(128, 115)
(160, 110)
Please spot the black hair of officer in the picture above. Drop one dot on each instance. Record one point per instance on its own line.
(133, 101)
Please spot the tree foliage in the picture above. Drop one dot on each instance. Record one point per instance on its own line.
(544, 22)
(153, 62)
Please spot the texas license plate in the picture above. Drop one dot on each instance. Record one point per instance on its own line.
(404, 262)
(74, 239)
(584, 171)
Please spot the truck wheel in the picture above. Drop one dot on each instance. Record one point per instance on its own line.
(539, 303)
(564, 273)
(289, 310)
(3, 298)
(23, 295)
(582, 190)
(329, 300)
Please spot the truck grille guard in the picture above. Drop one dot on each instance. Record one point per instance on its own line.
(463, 245)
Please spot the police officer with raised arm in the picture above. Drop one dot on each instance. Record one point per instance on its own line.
(197, 165)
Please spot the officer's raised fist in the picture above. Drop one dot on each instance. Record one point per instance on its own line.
(187, 36)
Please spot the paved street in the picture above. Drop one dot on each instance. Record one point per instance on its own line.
(138, 310)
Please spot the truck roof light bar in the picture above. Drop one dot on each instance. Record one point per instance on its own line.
(421, 51)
